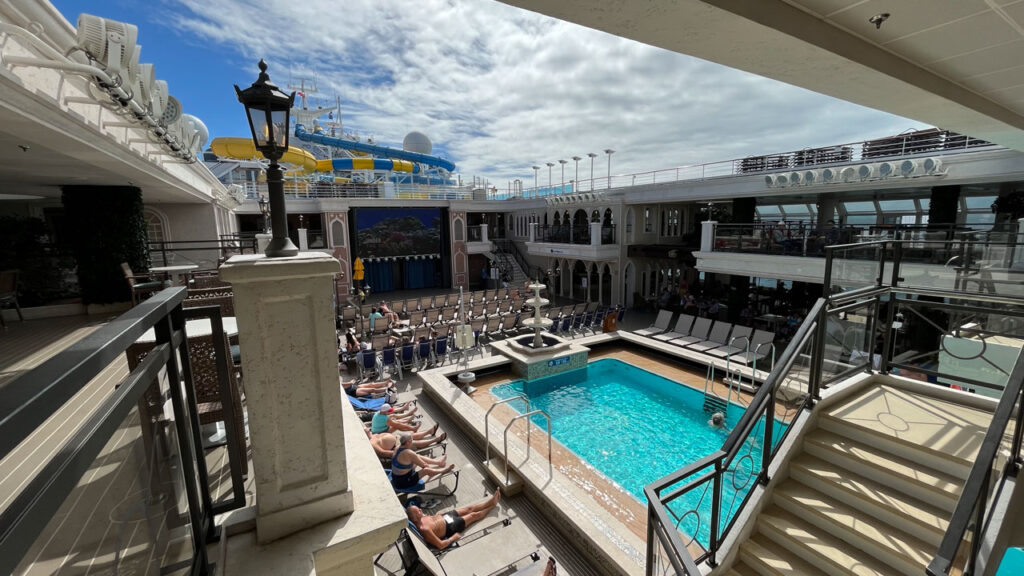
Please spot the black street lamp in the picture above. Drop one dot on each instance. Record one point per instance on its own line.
(268, 110)
(265, 210)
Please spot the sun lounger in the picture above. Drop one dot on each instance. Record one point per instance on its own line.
(760, 347)
(719, 336)
(660, 324)
(420, 487)
(698, 333)
(738, 341)
(682, 329)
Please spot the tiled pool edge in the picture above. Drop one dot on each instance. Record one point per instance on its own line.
(617, 552)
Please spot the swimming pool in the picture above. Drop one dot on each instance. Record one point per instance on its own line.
(635, 427)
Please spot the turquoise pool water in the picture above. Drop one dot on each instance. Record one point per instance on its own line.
(636, 427)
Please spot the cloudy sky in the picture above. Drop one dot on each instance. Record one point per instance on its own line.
(496, 88)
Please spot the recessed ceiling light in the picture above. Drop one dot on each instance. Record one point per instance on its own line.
(877, 19)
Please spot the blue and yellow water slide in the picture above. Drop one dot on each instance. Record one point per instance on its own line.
(385, 152)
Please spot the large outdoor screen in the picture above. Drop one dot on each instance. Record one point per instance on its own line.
(384, 232)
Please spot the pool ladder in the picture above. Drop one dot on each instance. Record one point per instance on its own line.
(528, 413)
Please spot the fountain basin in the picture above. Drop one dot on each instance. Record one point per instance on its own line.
(555, 356)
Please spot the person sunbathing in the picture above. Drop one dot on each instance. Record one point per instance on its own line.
(405, 461)
(386, 443)
(441, 530)
(385, 420)
(379, 388)
(389, 315)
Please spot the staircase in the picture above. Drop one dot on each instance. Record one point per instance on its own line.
(872, 491)
(507, 262)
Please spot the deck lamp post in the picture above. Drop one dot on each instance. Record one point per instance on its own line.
(550, 164)
(577, 159)
(609, 152)
(265, 210)
(536, 170)
(268, 110)
(563, 163)
(592, 156)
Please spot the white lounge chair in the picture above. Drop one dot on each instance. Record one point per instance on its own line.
(660, 324)
(698, 333)
(719, 337)
(738, 341)
(682, 329)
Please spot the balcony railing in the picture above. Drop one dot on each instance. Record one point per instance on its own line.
(205, 253)
(304, 189)
(691, 511)
(920, 143)
(474, 234)
(129, 490)
(559, 234)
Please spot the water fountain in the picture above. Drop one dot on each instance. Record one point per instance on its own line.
(543, 353)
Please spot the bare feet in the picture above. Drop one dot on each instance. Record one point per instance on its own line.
(434, 429)
(497, 496)
(441, 437)
(448, 469)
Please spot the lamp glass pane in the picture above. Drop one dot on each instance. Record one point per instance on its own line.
(258, 119)
(280, 120)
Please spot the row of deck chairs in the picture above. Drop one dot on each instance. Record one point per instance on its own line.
(572, 324)
(718, 339)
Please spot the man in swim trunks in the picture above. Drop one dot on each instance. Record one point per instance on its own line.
(385, 444)
(379, 388)
(440, 530)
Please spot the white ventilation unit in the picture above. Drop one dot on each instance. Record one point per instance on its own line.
(907, 168)
(769, 181)
(829, 175)
(848, 174)
(886, 169)
(109, 42)
(159, 96)
(781, 180)
(866, 171)
(200, 133)
(795, 178)
(144, 85)
(931, 165)
(810, 177)
(172, 112)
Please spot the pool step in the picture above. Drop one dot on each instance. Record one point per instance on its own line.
(495, 468)
(714, 404)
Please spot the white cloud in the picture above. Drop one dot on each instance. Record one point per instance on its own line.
(500, 89)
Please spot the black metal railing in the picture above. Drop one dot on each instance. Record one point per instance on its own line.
(961, 546)
(201, 252)
(474, 234)
(880, 313)
(136, 459)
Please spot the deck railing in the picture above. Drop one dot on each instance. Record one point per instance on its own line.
(877, 316)
(136, 460)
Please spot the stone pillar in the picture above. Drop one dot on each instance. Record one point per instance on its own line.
(600, 286)
(533, 231)
(286, 331)
(303, 239)
(707, 235)
(261, 242)
(826, 210)
(595, 233)
(943, 207)
(483, 233)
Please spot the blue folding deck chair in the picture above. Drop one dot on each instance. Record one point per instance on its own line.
(367, 362)
(389, 359)
(440, 350)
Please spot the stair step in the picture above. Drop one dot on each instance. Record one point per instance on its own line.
(741, 569)
(938, 488)
(905, 553)
(825, 552)
(881, 501)
(763, 557)
(934, 432)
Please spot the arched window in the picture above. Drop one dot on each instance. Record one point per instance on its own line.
(558, 219)
(607, 217)
(457, 230)
(337, 233)
(156, 230)
(595, 216)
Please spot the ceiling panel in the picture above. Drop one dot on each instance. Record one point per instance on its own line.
(968, 35)
(906, 16)
(1015, 11)
(999, 80)
(985, 61)
(825, 8)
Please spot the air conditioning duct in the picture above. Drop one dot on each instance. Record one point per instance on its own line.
(886, 169)
(866, 171)
(769, 181)
(848, 174)
(159, 96)
(795, 178)
(931, 165)
(810, 177)
(829, 175)
(144, 85)
(781, 180)
(907, 168)
(200, 133)
(109, 42)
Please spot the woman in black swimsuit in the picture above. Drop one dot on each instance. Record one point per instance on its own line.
(441, 530)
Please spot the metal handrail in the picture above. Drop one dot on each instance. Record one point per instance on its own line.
(487, 422)
(551, 472)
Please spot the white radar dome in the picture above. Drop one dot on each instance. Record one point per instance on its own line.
(417, 142)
